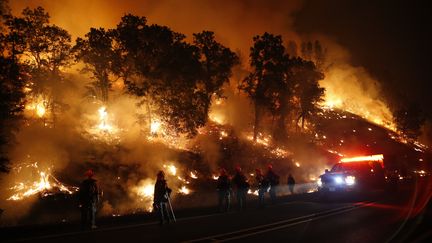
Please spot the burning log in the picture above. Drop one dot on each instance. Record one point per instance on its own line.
(45, 185)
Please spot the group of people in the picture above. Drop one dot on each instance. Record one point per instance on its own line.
(239, 185)
(89, 193)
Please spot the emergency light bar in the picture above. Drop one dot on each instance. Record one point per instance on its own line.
(375, 157)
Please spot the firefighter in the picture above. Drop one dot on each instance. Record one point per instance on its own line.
(291, 183)
(161, 198)
(262, 186)
(273, 180)
(242, 186)
(224, 191)
(89, 194)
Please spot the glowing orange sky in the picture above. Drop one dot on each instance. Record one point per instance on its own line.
(234, 22)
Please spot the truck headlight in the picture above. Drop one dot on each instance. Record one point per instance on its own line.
(338, 180)
(350, 180)
(319, 182)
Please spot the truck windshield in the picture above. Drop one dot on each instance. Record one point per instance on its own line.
(358, 166)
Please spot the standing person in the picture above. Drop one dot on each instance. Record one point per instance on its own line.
(242, 187)
(224, 191)
(262, 186)
(89, 198)
(160, 198)
(291, 183)
(273, 180)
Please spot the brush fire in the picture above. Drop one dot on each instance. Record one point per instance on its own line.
(154, 121)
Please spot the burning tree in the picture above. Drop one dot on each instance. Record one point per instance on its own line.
(97, 53)
(45, 49)
(307, 91)
(266, 85)
(216, 61)
(175, 79)
(280, 85)
(12, 80)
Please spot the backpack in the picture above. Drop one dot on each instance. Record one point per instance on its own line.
(89, 191)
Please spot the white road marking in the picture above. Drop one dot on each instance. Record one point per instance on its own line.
(285, 224)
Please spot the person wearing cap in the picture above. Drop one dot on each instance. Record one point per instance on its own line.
(89, 197)
(224, 191)
(242, 186)
(273, 180)
(160, 198)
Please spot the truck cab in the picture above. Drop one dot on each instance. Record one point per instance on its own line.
(363, 173)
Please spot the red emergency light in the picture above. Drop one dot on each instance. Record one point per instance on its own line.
(375, 157)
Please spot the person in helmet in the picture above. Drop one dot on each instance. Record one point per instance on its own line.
(273, 180)
(224, 191)
(160, 198)
(89, 197)
(262, 186)
(291, 183)
(242, 186)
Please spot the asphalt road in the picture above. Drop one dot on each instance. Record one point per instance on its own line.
(300, 218)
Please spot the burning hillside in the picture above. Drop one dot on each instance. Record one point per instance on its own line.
(147, 99)
(128, 185)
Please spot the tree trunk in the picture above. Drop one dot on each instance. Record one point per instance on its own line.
(256, 122)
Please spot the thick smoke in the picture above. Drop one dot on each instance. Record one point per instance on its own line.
(72, 146)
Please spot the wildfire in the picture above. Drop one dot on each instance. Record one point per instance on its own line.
(217, 118)
(184, 190)
(46, 184)
(160, 133)
(193, 175)
(266, 141)
(145, 191)
(38, 105)
(374, 111)
(155, 127)
(223, 134)
(104, 129)
(171, 169)
(253, 192)
(103, 120)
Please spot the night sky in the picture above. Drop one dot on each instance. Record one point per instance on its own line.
(391, 39)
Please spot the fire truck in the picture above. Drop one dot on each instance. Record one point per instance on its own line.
(363, 173)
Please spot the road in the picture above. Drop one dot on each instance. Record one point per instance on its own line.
(299, 218)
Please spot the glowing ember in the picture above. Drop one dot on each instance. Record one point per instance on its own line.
(312, 190)
(261, 139)
(253, 192)
(184, 190)
(217, 118)
(281, 153)
(297, 164)
(335, 152)
(215, 177)
(193, 175)
(223, 134)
